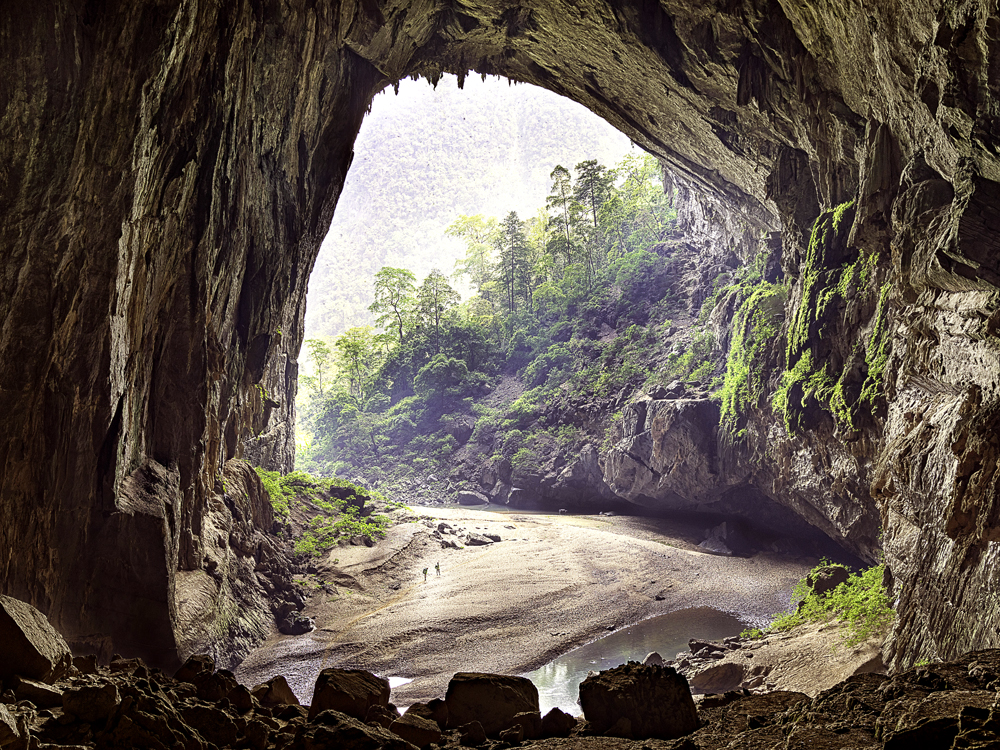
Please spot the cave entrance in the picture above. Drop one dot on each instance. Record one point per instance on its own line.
(432, 165)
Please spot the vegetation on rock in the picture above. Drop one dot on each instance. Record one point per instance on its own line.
(861, 603)
(328, 511)
(571, 303)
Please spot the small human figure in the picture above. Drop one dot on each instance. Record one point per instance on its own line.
(425, 575)
(437, 568)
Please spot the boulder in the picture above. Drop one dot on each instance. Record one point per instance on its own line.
(31, 646)
(86, 664)
(470, 497)
(416, 729)
(91, 703)
(349, 691)
(275, 692)
(696, 645)
(827, 578)
(9, 733)
(557, 723)
(653, 659)
(212, 723)
(38, 693)
(638, 702)
(296, 623)
(332, 729)
(491, 699)
(196, 666)
(530, 723)
(436, 710)
(472, 734)
(382, 716)
(477, 540)
(718, 678)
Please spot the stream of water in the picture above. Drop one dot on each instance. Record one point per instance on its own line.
(558, 682)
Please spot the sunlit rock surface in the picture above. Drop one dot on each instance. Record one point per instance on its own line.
(168, 170)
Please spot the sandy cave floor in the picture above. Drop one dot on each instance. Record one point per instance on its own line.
(553, 583)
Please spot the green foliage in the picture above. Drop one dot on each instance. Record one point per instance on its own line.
(542, 311)
(324, 532)
(280, 492)
(830, 286)
(752, 633)
(336, 503)
(877, 351)
(394, 298)
(861, 603)
(756, 326)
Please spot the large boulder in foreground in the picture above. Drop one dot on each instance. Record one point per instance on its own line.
(638, 702)
(349, 691)
(31, 646)
(491, 699)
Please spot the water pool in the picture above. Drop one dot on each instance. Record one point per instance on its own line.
(558, 682)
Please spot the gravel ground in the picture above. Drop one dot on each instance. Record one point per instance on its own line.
(553, 583)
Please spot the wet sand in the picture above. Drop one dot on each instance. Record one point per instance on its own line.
(553, 583)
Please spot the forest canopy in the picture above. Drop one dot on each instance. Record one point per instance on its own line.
(405, 395)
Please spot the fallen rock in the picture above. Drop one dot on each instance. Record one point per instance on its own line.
(468, 497)
(695, 646)
(296, 623)
(91, 703)
(9, 733)
(436, 710)
(491, 536)
(557, 723)
(513, 736)
(718, 678)
(349, 691)
(472, 734)
(38, 693)
(638, 702)
(383, 716)
(477, 540)
(653, 659)
(31, 646)
(416, 729)
(195, 666)
(212, 723)
(275, 692)
(86, 664)
(491, 699)
(531, 724)
(826, 579)
(332, 729)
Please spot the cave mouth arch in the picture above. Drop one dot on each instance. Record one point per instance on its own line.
(164, 234)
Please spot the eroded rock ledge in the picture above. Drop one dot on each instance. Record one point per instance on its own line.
(169, 169)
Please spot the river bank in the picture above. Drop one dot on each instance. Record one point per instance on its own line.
(552, 583)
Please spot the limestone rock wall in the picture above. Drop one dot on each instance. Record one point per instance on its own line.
(169, 168)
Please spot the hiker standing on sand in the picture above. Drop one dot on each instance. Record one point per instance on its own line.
(425, 575)
(437, 568)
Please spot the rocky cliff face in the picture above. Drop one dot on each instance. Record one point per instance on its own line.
(169, 168)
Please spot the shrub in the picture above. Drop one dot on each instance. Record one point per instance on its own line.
(861, 603)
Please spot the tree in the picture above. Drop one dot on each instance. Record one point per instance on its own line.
(440, 375)
(394, 298)
(479, 233)
(320, 355)
(358, 357)
(434, 298)
(514, 261)
(561, 201)
(593, 184)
